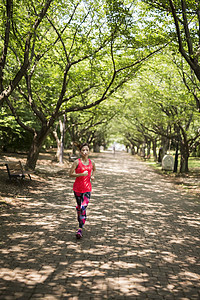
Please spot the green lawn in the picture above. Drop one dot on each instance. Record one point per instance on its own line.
(194, 164)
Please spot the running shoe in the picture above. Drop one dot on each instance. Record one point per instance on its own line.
(79, 234)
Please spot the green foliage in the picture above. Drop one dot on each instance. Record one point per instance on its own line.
(183, 26)
(12, 136)
(82, 53)
(157, 102)
(92, 125)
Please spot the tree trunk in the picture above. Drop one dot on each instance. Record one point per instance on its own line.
(160, 155)
(143, 150)
(62, 139)
(148, 149)
(184, 158)
(154, 150)
(58, 152)
(35, 148)
(96, 148)
(73, 149)
(176, 160)
(138, 149)
(58, 143)
(163, 149)
(133, 149)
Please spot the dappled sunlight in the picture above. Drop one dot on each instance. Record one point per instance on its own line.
(140, 238)
(28, 276)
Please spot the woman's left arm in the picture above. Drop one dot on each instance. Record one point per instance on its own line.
(93, 170)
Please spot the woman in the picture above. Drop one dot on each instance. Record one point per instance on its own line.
(83, 169)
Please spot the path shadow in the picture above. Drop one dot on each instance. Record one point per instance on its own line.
(140, 241)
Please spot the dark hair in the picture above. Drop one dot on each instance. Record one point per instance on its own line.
(83, 145)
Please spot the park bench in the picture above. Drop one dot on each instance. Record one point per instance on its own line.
(16, 170)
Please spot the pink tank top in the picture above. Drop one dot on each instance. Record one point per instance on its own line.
(83, 184)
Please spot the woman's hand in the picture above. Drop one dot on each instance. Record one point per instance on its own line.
(85, 173)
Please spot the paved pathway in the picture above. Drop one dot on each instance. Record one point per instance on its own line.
(140, 242)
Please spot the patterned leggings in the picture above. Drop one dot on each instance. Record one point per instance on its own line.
(82, 200)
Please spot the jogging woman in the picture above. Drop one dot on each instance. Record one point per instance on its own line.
(83, 169)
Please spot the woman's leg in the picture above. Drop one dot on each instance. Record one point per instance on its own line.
(82, 200)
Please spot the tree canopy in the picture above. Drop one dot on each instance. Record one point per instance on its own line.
(75, 58)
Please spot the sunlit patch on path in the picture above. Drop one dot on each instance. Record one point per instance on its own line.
(141, 239)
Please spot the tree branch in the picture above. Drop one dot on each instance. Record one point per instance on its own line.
(193, 64)
(9, 5)
(31, 102)
(13, 84)
(186, 28)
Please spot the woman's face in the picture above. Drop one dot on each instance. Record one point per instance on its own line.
(84, 151)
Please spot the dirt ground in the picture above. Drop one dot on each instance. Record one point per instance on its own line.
(189, 182)
(12, 191)
(140, 241)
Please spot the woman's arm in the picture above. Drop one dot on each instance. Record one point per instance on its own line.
(93, 170)
(72, 172)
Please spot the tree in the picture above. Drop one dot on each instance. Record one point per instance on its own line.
(162, 106)
(13, 15)
(185, 16)
(80, 56)
(60, 139)
(91, 125)
(190, 81)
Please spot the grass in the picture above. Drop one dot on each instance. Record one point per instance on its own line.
(193, 164)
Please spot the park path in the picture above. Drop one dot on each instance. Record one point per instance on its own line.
(141, 239)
